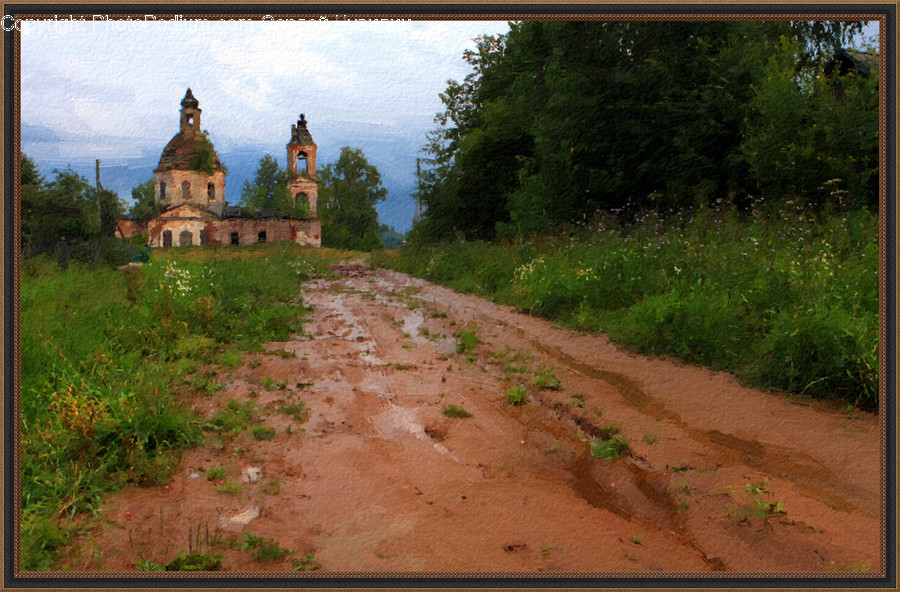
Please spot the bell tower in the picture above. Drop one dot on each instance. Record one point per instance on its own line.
(301, 166)
(190, 115)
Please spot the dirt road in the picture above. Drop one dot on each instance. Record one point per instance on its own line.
(376, 478)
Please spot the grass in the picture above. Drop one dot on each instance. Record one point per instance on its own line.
(517, 395)
(795, 308)
(297, 410)
(230, 487)
(307, 563)
(512, 362)
(467, 339)
(109, 359)
(214, 473)
(609, 449)
(262, 432)
(195, 561)
(234, 419)
(261, 549)
(454, 411)
(546, 379)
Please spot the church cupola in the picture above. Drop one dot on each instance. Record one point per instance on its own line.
(190, 114)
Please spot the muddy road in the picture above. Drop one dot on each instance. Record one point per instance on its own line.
(370, 474)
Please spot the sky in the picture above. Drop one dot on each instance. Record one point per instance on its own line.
(112, 91)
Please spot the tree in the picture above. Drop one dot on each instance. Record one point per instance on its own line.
(561, 119)
(67, 206)
(348, 192)
(268, 193)
(145, 205)
(814, 136)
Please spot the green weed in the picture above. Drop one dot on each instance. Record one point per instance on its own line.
(467, 339)
(263, 550)
(609, 449)
(235, 418)
(454, 411)
(516, 395)
(261, 432)
(308, 563)
(546, 379)
(195, 561)
(297, 410)
(230, 487)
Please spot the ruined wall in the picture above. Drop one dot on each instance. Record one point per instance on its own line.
(308, 233)
(302, 232)
(129, 228)
(157, 226)
(198, 194)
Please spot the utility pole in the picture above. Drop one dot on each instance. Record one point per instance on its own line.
(99, 189)
(418, 186)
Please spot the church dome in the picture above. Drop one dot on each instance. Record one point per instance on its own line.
(182, 149)
(190, 149)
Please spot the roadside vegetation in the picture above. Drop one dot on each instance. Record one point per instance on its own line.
(694, 189)
(109, 357)
(783, 296)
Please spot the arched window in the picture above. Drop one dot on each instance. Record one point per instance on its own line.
(186, 190)
(162, 191)
(210, 191)
(301, 164)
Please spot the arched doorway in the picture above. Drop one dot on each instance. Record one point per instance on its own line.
(167, 238)
(185, 239)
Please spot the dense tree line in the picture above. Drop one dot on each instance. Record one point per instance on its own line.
(68, 212)
(560, 119)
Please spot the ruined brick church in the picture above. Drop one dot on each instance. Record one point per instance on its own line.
(190, 190)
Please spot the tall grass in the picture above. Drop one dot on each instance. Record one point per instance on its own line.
(104, 358)
(783, 296)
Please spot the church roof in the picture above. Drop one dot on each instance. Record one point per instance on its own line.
(181, 149)
(189, 101)
(300, 136)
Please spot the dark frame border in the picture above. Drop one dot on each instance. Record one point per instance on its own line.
(885, 12)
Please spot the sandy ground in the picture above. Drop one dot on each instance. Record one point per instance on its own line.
(375, 478)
